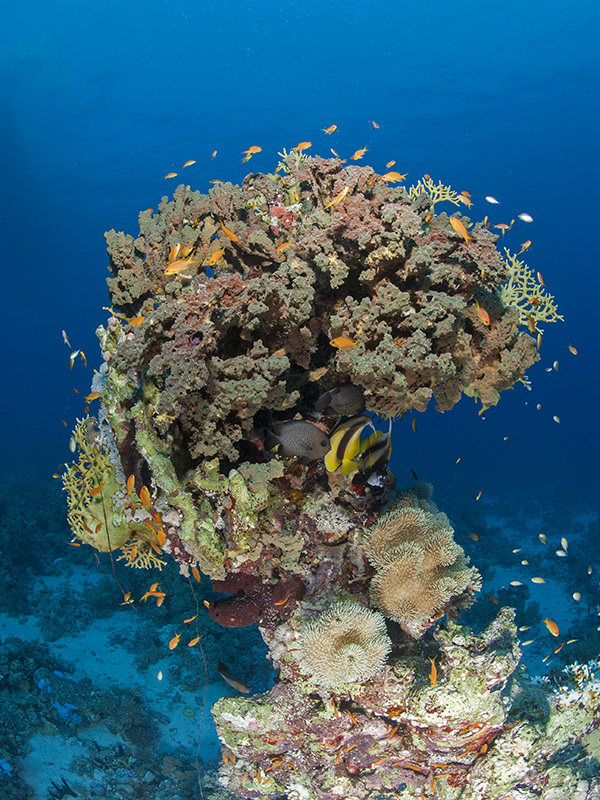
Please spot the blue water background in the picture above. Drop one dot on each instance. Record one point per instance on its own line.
(98, 102)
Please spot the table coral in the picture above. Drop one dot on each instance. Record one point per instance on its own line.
(198, 365)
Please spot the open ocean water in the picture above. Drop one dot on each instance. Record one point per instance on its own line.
(98, 102)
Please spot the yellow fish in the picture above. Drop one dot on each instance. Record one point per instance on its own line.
(188, 164)
(339, 197)
(342, 342)
(174, 641)
(230, 234)
(460, 229)
(433, 673)
(302, 146)
(216, 257)
(389, 164)
(552, 626)
(358, 154)
(171, 175)
(392, 177)
(179, 266)
(330, 129)
(346, 445)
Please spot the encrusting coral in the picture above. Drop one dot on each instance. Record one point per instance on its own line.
(346, 644)
(420, 568)
(223, 313)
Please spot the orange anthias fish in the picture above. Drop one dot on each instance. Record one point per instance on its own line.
(216, 257)
(229, 234)
(250, 152)
(389, 164)
(196, 573)
(460, 229)
(213, 154)
(358, 154)
(374, 124)
(171, 175)
(525, 246)
(130, 484)
(188, 164)
(302, 146)
(145, 497)
(482, 314)
(92, 396)
(339, 197)
(392, 177)
(174, 641)
(330, 129)
(174, 267)
(283, 246)
(341, 342)
(464, 198)
(433, 673)
(552, 626)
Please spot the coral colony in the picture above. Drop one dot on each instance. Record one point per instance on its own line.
(244, 323)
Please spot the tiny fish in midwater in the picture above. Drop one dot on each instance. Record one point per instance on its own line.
(174, 641)
(374, 124)
(564, 543)
(577, 596)
(188, 164)
(393, 177)
(171, 175)
(491, 199)
(346, 401)
(572, 349)
(234, 682)
(213, 154)
(538, 580)
(516, 583)
(526, 217)
(556, 419)
(159, 675)
(552, 626)
(556, 366)
(389, 164)
(543, 538)
(302, 146)
(525, 628)
(298, 438)
(561, 553)
(330, 129)
(358, 154)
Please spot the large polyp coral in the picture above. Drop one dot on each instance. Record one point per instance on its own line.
(346, 644)
(420, 568)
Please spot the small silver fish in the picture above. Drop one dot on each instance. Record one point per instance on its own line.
(234, 682)
(297, 438)
(526, 217)
(493, 200)
(346, 400)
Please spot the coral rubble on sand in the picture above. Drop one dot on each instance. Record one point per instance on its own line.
(225, 309)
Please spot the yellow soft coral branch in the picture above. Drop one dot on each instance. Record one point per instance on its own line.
(436, 192)
(523, 292)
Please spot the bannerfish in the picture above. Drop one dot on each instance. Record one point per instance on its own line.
(375, 456)
(234, 682)
(346, 445)
(345, 401)
(297, 438)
